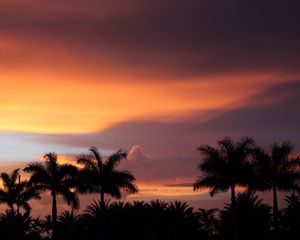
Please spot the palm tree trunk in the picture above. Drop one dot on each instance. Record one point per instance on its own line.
(233, 199)
(234, 215)
(275, 208)
(19, 196)
(102, 200)
(54, 214)
(102, 204)
(102, 217)
(11, 208)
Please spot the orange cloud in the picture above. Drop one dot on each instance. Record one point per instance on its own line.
(42, 101)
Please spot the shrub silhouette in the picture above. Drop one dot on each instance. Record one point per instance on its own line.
(252, 218)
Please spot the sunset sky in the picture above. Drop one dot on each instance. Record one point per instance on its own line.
(157, 78)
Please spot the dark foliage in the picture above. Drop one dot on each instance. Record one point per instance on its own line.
(16, 192)
(290, 222)
(58, 179)
(250, 218)
(144, 221)
(17, 226)
(275, 171)
(225, 167)
(222, 169)
(99, 176)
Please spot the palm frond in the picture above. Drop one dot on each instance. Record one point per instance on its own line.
(114, 159)
(96, 154)
(69, 197)
(87, 161)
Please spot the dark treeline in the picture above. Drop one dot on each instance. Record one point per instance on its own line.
(221, 169)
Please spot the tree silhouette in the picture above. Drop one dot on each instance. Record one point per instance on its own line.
(95, 210)
(56, 178)
(208, 221)
(15, 192)
(225, 167)
(68, 225)
(275, 171)
(13, 225)
(252, 218)
(94, 214)
(182, 223)
(103, 177)
(291, 216)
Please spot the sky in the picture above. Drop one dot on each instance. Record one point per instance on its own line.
(157, 78)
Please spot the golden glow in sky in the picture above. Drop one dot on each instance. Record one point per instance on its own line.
(67, 102)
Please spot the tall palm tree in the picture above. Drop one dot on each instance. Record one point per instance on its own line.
(225, 167)
(15, 192)
(276, 171)
(56, 178)
(103, 176)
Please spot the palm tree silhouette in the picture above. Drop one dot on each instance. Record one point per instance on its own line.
(252, 218)
(208, 220)
(95, 210)
(291, 217)
(181, 221)
(275, 171)
(94, 214)
(56, 178)
(103, 177)
(225, 167)
(15, 192)
(69, 225)
(14, 225)
(179, 208)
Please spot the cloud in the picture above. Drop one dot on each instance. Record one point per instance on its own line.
(167, 150)
(172, 38)
(156, 169)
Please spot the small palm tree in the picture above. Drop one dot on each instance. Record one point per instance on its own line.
(291, 216)
(180, 208)
(95, 210)
(275, 170)
(14, 225)
(225, 167)
(94, 214)
(103, 177)
(208, 220)
(15, 192)
(56, 178)
(68, 225)
(251, 216)
(180, 222)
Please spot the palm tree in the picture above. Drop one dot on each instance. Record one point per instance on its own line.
(252, 218)
(69, 225)
(15, 192)
(179, 208)
(208, 220)
(56, 178)
(181, 222)
(276, 171)
(14, 225)
(103, 177)
(225, 167)
(291, 216)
